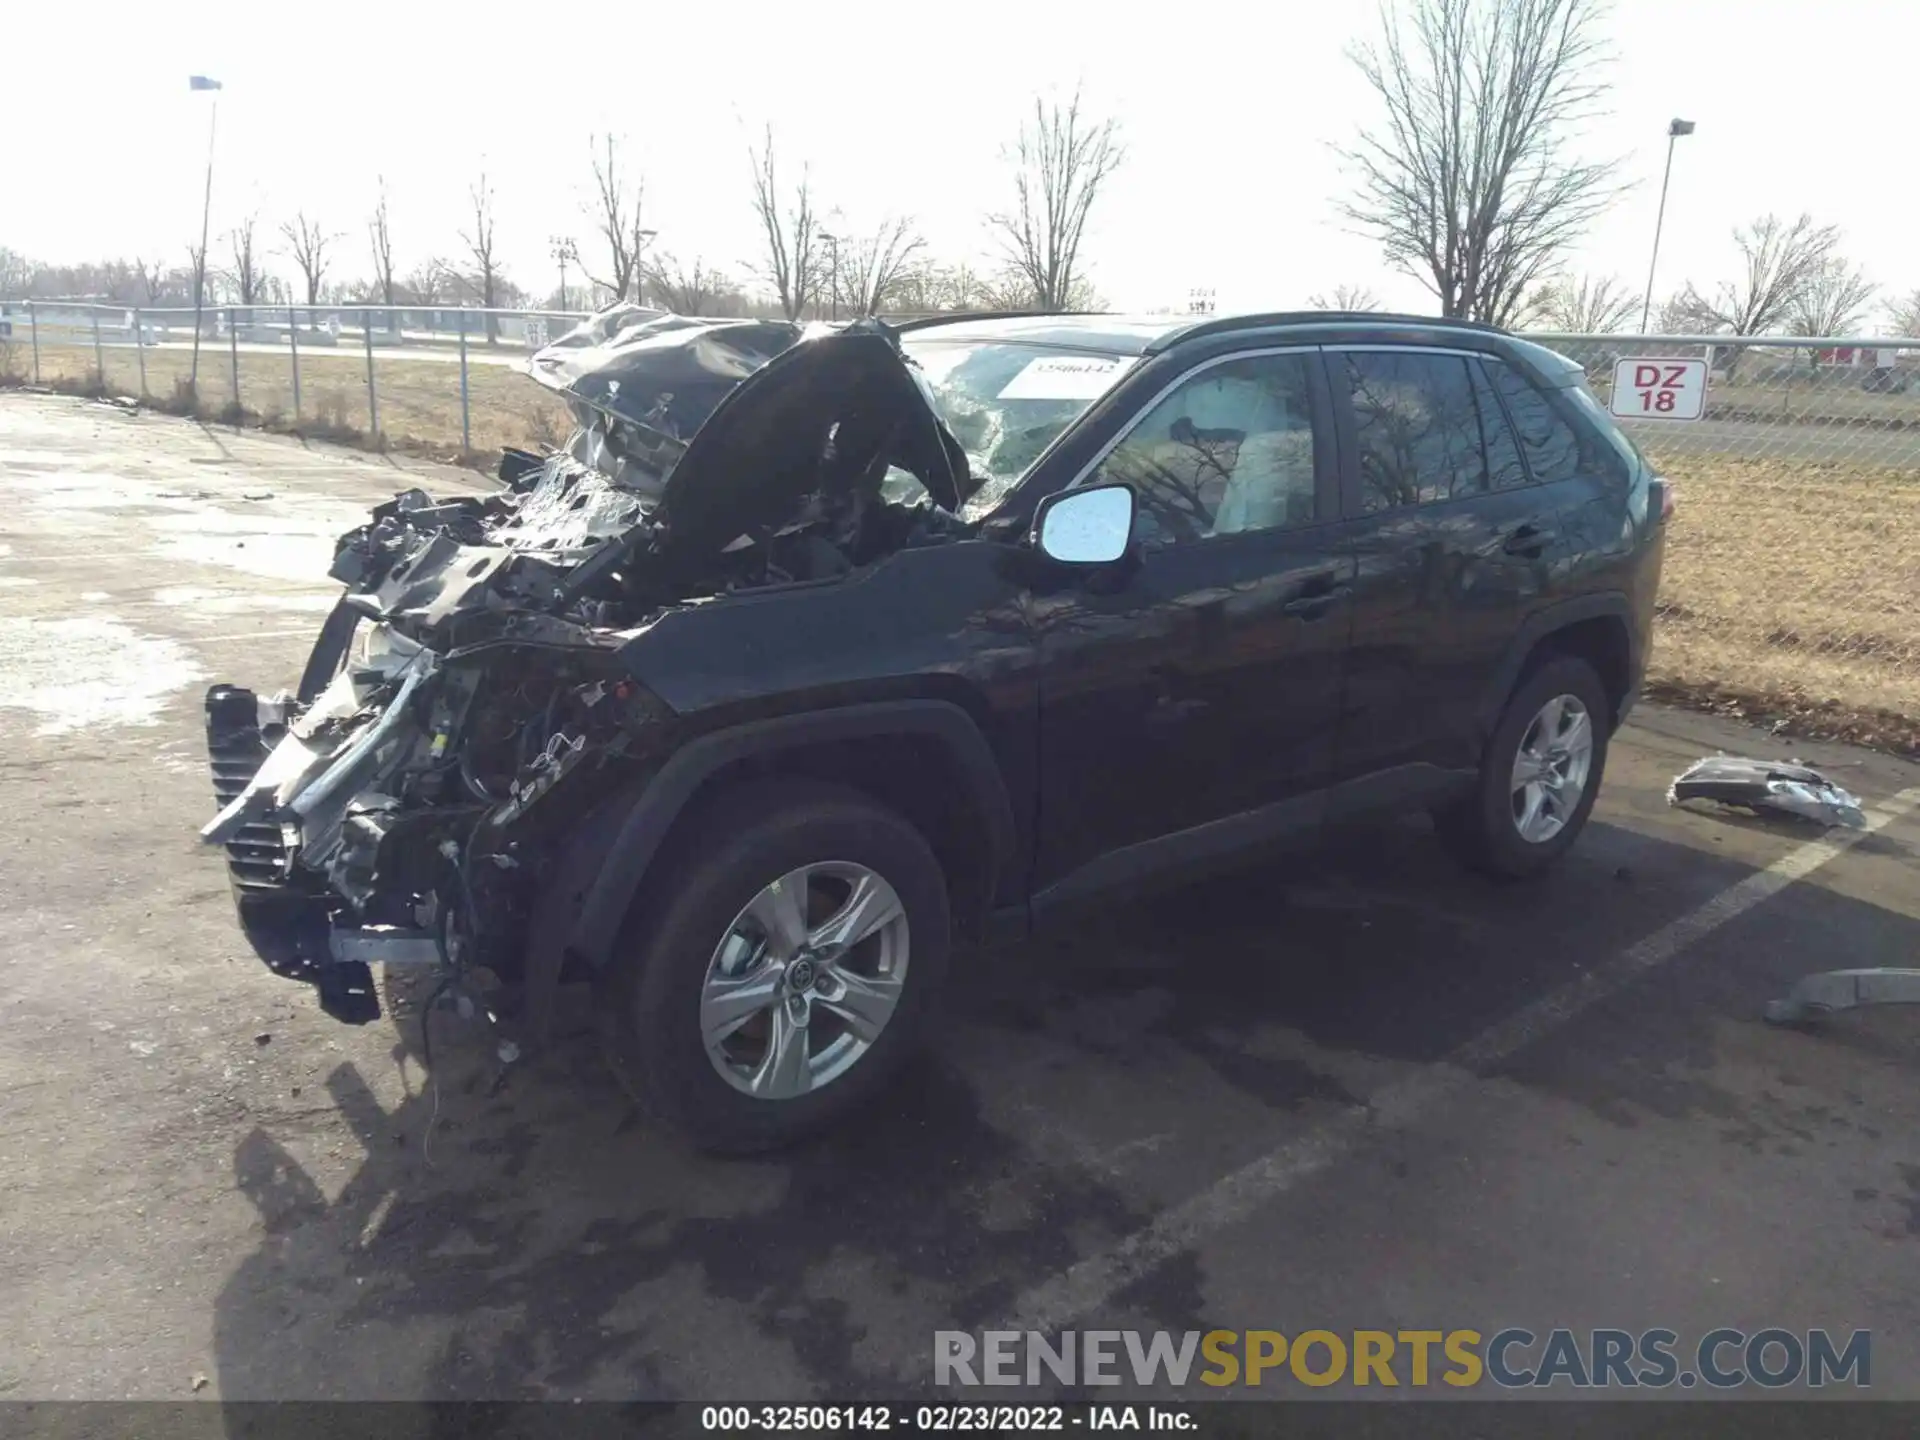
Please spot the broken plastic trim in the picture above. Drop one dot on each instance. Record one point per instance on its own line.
(1768, 785)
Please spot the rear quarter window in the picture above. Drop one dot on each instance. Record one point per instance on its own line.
(1556, 448)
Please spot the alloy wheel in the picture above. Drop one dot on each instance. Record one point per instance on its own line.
(805, 979)
(1550, 769)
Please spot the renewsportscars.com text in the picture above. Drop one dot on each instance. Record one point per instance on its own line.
(1512, 1358)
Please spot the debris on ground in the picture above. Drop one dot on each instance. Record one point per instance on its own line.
(199, 1383)
(263, 1038)
(1762, 786)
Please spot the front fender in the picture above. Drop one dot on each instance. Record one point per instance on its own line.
(587, 902)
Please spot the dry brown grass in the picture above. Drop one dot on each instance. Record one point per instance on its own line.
(1791, 593)
(419, 400)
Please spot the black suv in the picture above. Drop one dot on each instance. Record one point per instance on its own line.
(815, 652)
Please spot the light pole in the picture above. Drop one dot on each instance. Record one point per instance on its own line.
(1675, 129)
(832, 242)
(563, 250)
(201, 82)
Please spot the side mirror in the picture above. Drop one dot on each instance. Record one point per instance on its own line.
(1086, 527)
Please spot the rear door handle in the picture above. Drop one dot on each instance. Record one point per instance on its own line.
(1528, 540)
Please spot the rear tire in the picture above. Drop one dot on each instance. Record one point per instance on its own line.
(714, 937)
(1528, 808)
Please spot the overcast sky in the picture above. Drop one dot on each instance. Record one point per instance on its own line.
(1229, 112)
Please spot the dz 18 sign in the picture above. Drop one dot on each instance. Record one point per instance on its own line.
(1659, 389)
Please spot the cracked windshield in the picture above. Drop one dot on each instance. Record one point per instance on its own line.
(1005, 403)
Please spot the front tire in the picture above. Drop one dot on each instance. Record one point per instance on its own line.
(782, 970)
(1539, 775)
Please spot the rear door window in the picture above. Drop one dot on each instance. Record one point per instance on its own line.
(1417, 425)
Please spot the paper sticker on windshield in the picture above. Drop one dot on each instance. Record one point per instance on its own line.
(1065, 377)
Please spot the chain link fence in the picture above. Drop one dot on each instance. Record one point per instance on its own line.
(1792, 584)
(443, 381)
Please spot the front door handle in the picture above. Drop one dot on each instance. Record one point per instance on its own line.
(1316, 597)
(1528, 541)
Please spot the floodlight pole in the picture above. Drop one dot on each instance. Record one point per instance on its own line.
(200, 275)
(1675, 129)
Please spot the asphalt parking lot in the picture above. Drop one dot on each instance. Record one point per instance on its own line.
(1354, 1091)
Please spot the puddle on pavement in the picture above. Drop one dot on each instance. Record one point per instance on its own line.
(80, 674)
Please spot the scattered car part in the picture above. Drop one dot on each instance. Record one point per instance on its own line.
(1760, 786)
(1831, 990)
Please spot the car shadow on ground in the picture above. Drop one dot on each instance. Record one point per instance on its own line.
(548, 1244)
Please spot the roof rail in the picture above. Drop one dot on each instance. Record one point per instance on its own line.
(1227, 324)
(956, 317)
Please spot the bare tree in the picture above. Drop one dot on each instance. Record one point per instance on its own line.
(1346, 297)
(153, 280)
(247, 277)
(927, 286)
(197, 262)
(486, 258)
(1780, 260)
(872, 266)
(686, 290)
(792, 265)
(428, 283)
(309, 244)
(380, 234)
(1904, 315)
(1684, 313)
(1833, 301)
(1467, 182)
(1581, 305)
(618, 200)
(17, 272)
(1061, 161)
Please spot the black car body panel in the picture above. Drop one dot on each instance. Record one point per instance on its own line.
(554, 679)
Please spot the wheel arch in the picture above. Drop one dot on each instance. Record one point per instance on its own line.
(1596, 628)
(925, 758)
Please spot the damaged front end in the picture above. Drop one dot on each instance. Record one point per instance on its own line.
(479, 691)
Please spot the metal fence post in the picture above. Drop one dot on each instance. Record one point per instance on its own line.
(373, 399)
(293, 341)
(140, 354)
(33, 326)
(233, 351)
(99, 364)
(466, 424)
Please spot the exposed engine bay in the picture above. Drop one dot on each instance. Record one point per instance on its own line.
(475, 695)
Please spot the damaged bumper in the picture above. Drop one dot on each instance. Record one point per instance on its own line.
(287, 923)
(298, 788)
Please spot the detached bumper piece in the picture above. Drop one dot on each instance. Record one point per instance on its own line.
(288, 927)
(1761, 786)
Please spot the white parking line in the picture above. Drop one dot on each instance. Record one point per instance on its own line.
(1087, 1285)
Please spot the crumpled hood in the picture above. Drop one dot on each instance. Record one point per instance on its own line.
(768, 412)
(657, 369)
